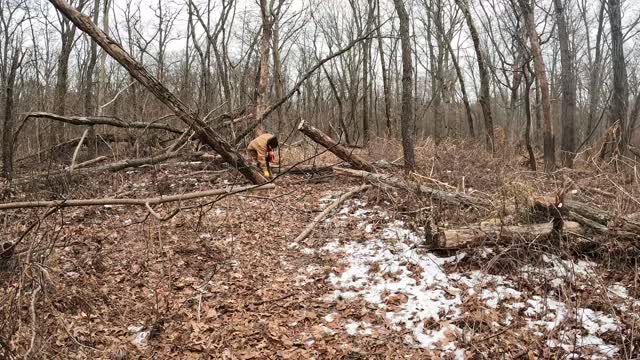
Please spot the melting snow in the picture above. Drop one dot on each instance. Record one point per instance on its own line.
(411, 289)
(354, 328)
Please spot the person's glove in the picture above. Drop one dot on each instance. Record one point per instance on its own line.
(266, 173)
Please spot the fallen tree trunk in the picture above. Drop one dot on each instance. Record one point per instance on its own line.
(102, 120)
(451, 198)
(337, 149)
(307, 230)
(597, 220)
(90, 162)
(137, 71)
(304, 169)
(626, 225)
(138, 202)
(462, 237)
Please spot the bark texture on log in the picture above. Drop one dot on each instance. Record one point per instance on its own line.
(136, 70)
(456, 238)
(337, 149)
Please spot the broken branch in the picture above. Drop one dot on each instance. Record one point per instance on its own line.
(303, 235)
(101, 120)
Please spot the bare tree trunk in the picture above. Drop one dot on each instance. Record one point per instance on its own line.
(485, 95)
(541, 74)
(365, 92)
(527, 108)
(568, 115)
(620, 97)
(89, 96)
(437, 82)
(67, 34)
(278, 75)
(595, 75)
(334, 90)
(407, 96)
(385, 80)
(102, 79)
(265, 40)
(463, 90)
(9, 114)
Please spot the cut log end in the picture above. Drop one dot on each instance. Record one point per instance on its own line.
(301, 125)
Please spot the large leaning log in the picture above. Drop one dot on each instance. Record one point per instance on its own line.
(137, 71)
(337, 149)
(451, 198)
(462, 237)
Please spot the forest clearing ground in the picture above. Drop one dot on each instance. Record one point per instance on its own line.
(225, 281)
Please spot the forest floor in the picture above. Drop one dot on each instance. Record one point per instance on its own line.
(225, 280)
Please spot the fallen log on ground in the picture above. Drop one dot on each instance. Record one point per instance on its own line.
(161, 92)
(138, 202)
(101, 120)
(303, 169)
(337, 149)
(307, 230)
(451, 198)
(465, 236)
(597, 220)
(90, 162)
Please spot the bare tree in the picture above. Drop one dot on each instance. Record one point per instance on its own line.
(543, 83)
(620, 96)
(67, 31)
(12, 16)
(568, 113)
(407, 87)
(484, 96)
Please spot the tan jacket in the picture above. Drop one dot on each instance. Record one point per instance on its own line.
(258, 148)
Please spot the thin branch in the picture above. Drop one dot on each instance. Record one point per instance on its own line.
(129, 201)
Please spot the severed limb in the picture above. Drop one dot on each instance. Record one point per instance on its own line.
(303, 235)
(91, 162)
(77, 150)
